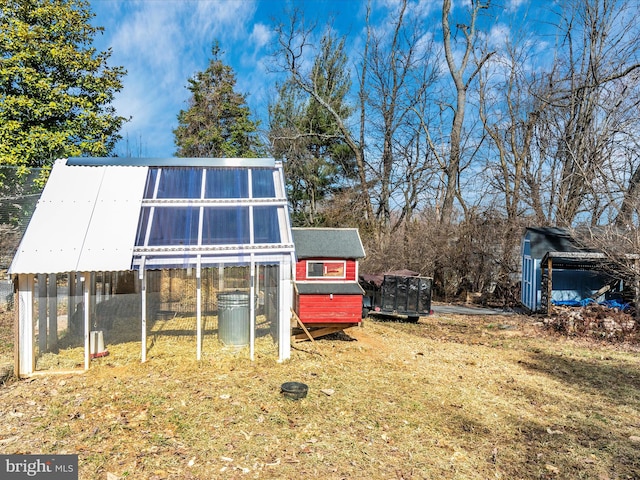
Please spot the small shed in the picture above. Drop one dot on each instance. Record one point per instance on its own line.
(557, 269)
(121, 253)
(327, 296)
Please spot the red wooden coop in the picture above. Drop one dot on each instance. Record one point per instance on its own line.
(327, 296)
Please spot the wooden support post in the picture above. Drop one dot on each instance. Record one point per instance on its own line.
(321, 332)
(301, 325)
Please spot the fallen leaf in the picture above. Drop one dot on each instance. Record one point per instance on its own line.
(328, 391)
(552, 469)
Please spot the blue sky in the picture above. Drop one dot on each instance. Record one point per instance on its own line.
(162, 43)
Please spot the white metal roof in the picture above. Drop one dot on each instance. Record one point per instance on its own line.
(85, 220)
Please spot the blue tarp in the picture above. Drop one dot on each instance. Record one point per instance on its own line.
(587, 301)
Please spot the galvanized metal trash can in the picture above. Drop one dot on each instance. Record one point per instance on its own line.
(233, 318)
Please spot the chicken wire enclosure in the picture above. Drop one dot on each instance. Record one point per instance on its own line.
(156, 241)
(172, 303)
(59, 304)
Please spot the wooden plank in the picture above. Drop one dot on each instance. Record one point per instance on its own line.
(301, 325)
(603, 290)
(320, 332)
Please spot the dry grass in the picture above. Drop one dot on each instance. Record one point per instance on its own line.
(452, 397)
(6, 336)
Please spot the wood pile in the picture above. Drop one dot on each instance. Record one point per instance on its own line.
(594, 320)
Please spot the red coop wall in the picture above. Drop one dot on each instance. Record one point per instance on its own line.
(329, 308)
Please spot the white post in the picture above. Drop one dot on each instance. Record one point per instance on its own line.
(221, 277)
(42, 314)
(52, 332)
(252, 309)
(198, 309)
(285, 294)
(143, 310)
(26, 352)
(86, 287)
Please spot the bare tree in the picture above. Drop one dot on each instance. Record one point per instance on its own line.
(594, 77)
(629, 212)
(462, 73)
(317, 162)
(394, 73)
(509, 116)
(399, 70)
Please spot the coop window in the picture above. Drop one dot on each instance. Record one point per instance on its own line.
(326, 269)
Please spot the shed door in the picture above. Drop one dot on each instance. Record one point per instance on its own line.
(527, 291)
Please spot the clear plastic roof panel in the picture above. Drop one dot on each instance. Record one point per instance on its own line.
(203, 210)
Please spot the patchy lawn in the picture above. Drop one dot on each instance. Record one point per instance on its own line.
(6, 338)
(451, 397)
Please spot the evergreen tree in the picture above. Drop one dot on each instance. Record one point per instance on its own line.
(217, 122)
(55, 89)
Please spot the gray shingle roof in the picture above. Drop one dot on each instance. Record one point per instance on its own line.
(328, 243)
(552, 239)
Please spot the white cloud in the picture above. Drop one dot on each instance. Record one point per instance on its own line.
(261, 35)
(513, 5)
(498, 36)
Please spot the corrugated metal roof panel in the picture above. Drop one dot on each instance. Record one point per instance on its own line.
(111, 233)
(54, 237)
(71, 217)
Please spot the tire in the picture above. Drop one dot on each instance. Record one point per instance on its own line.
(413, 319)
